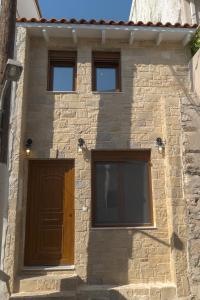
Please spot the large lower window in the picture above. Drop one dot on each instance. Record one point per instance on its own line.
(121, 188)
(62, 71)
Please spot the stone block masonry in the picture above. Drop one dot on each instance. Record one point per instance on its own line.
(148, 107)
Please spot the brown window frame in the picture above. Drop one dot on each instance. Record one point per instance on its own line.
(120, 156)
(61, 59)
(106, 60)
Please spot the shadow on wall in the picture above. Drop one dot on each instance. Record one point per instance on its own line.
(190, 98)
(39, 115)
(110, 250)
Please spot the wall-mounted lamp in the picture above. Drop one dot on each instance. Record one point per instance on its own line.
(13, 70)
(11, 73)
(29, 143)
(160, 144)
(81, 145)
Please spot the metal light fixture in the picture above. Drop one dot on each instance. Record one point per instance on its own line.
(11, 73)
(81, 145)
(29, 143)
(160, 144)
(13, 70)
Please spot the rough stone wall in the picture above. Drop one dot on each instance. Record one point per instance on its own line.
(3, 222)
(148, 107)
(197, 9)
(194, 67)
(161, 11)
(13, 236)
(191, 165)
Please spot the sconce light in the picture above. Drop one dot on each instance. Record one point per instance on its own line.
(160, 144)
(11, 73)
(13, 70)
(81, 145)
(29, 143)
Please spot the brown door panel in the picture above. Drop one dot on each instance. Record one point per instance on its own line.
(50, 213)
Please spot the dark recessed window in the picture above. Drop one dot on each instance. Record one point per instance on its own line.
(62, 71)
(121, 188)
(106, 72)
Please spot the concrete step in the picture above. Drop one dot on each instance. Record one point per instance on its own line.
(42, 288)
(44, 295)
(53, 282)
(127, 292)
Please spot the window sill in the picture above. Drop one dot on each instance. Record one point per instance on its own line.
(49, 268)
(109, 93)
(126, 228)
(61, 92)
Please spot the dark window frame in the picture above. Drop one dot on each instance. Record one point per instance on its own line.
(4, 126)
(106, 60)
(120, 156)
(61, 59)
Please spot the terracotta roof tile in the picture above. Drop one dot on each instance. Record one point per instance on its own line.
(105, 22)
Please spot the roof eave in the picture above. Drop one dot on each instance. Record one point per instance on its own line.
(132, 33)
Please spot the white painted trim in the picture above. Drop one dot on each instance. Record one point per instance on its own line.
(45, 35)
(74, 36)
(186, 39)
(103, 37)
(159, 39)
(131, 38)
(108, 27)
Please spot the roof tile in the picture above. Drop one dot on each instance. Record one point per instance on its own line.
(105, 22)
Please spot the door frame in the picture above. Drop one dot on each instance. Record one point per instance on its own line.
(25, 209)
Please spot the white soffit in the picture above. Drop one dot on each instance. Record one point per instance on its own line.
(113, 32)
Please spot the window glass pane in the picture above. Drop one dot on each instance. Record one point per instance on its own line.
(135, 192)
(106, 79)
(106, 193)
(62, 78)
(122, 195)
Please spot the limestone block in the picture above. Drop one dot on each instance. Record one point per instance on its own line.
(168, 293)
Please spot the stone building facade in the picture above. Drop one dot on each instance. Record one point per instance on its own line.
(174, 11)
(28, 9)
(157, 262)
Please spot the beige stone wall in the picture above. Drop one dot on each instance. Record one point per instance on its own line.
(15, 164)
(148, 107)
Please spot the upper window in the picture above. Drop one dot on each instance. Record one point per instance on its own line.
(106, 72)
(62, 71)
(121, 188)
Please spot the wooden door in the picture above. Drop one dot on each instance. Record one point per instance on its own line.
(50, 213)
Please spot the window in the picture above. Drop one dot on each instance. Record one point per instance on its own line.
(106, 72)
(121, 189)
(62, 71)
